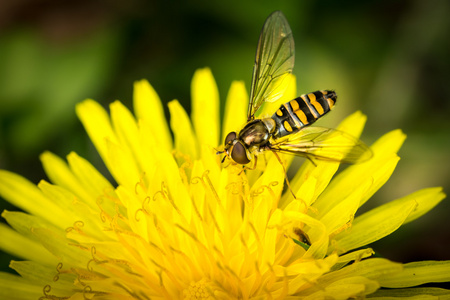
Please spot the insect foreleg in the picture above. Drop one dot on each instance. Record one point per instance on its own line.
(249, 168)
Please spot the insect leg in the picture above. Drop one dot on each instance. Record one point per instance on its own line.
(248, 168)
(285, 174)
(312, 161)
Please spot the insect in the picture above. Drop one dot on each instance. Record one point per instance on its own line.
(302, 237)
(287, 130)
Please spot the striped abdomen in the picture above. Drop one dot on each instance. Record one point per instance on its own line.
(302, 111)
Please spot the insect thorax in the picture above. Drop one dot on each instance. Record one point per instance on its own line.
(257, 132)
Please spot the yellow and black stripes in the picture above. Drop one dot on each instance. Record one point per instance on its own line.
(302, 111)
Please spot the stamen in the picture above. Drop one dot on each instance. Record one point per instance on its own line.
(182, 170)
(239, 187)
(133, 294)
(45, 291)
(197, 212)
(206, 182)
(234, 186)
(169, 274)
(213, 190)
(143, 209)
(187, 259)
(190, 234)
(196, 180)
(138, 184)
(285, 286)
(213, 217)
(207, 185)
(104, 216)
(261, 189)
(88, 290)
(58, 270)
(76, 227)
(343, 227)
(257, 238)
(94, 259)
(204, 249)
(164, 192)
(136, 214)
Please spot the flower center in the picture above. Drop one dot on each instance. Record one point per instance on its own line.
(201, 289)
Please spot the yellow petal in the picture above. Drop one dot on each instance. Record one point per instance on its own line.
(24, 194)
(185, 140)
(374, 268)
(376, 171)
(320, 175)
(126, 131)
(59, 173)
(322, 172)
(424, 293)
(235, 109)
(150, 147)
(177, 189)
(322, 266)
(22, 222)
(374, 225)
(205, 107)
(230, 189)
(18, 245)
(385, 219)
(271, 180)
(63, 198)
(211, 162)
(417, 273)
(34, 272)
(90, 179)
(426, 200)
(346, 288)
(13, 287)
(148, 107)
(98, 126)
(60, 247)
(353, 124)
(344, 212)
(123, 165)
(352, 256)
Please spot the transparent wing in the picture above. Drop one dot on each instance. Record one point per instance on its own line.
(274, 60)
(323, 144)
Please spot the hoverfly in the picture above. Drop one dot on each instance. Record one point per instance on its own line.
(287, 130)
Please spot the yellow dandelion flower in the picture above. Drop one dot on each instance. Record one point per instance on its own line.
(181, 225)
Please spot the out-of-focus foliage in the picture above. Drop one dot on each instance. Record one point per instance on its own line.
(389, 59)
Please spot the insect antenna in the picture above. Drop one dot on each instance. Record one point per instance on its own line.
(219, 151)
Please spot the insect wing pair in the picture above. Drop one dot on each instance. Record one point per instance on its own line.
(288, 131)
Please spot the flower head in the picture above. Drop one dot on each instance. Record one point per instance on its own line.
(181, 225)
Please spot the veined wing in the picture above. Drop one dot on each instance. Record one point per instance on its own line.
(323, 144)
(274, 59)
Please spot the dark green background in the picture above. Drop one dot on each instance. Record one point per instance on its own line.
(389, 59)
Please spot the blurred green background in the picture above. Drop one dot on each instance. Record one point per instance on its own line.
(389, 59)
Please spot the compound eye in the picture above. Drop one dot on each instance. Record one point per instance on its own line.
(230, 138)
(239, 154)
